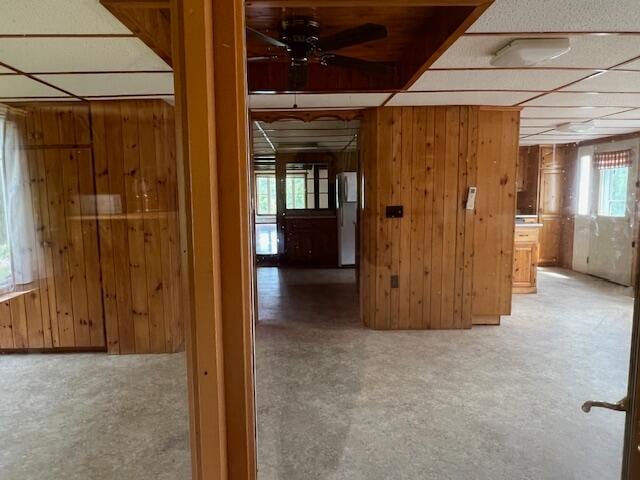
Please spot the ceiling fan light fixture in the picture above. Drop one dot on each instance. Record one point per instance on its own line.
(527, 52)
(576, 127)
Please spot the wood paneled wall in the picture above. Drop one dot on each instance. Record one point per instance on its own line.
(134, 148)
(557, 203)
(439, 265)
(61, 308)
(107, 277)
(416, 270)
(493, 244)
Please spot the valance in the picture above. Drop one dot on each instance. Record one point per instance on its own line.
(617, 159)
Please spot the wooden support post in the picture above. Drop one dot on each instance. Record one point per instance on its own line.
(212, 124)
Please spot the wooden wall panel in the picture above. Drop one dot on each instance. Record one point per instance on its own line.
(493, 245)
(416, 270)
(134, 148)
(108, 266)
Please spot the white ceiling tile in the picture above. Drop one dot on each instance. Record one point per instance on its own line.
(612, 81)
(546, 122)
(635, 65)
(458, 98)
(546, 139)
(532, 130)
(559, 16)
(587, 52)
(539, 80)
(78, 54)
(572, 113)
(57, 16)
(610, 122)
(320, 100)
(559, 99)
(629, 114)
(160, 84)
(21, 86)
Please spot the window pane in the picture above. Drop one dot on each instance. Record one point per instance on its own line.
(266, 194)
(613, 192)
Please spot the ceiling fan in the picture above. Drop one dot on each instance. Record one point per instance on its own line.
(300, 40)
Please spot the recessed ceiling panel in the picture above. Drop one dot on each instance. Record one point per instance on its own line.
(612, 81)
(587, 100)
(532, 130)
(458, 98)
(15, 86)
(78, 55)
(160, 84)
(587, 51)
(57, 16)
(321, 100)
(559, 16)
(537, 80)
(572, 113)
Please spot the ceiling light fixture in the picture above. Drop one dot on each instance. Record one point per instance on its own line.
(526, 52)
(576, 127)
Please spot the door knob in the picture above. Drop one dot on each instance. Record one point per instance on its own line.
(620, 406)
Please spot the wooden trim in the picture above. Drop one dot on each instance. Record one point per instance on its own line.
(32, 77)
(193, 60)
(362, 3)
(457, 33)
(211, 102)
(548, 34)
(305, 115)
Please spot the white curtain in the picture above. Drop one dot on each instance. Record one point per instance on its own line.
(18, 202)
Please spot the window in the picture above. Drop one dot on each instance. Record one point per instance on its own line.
(296, 190)
(266, 193)
(613, 192)
(584, 188)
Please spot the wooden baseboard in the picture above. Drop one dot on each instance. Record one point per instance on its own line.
(485, 320)
(524, 290)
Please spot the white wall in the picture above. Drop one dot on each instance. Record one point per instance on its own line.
(603, 245)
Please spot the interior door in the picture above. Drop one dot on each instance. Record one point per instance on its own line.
(631, 460)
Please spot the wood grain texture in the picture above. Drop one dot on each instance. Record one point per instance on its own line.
(497, 155)
(107, 266)
(422, 158)
(134, 149)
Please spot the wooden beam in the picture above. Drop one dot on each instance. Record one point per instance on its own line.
(305, 115)
(195, 123)
(211, 101)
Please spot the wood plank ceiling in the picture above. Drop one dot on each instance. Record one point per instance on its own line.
(79, 50)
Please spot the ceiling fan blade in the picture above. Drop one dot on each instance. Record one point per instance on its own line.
(297, 76)
(263, 59)
(349, 62)
(353, 36)
(265, 38)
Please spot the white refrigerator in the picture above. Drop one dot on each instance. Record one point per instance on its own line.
(347, 193)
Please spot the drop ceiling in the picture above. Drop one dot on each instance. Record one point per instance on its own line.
(75, 49)
(298, 136)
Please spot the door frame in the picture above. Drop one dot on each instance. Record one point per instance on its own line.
(631, 455)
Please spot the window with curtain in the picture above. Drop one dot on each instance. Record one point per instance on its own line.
(17, 226)
(614, 182)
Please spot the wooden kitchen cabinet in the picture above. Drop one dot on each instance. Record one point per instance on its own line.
(525, 258)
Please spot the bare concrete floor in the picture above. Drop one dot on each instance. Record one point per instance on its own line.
(337, 401)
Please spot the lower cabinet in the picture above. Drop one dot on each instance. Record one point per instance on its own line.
(525, 260)
(550, 236)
